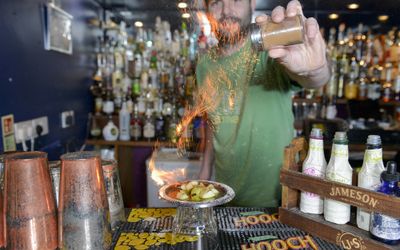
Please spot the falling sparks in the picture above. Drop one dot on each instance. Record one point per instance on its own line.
(210, 95)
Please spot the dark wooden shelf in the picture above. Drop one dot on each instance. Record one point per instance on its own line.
(129, 143)
(342, 101)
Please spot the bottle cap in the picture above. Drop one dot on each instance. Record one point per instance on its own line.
(374, 140)
(316, 133)
(255, 36)
(340, 136)
(391, 172)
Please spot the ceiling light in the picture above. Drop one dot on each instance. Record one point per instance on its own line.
(383, 18)
(353, 6)
(138, 24)
(182, 5)
(333, 16)
(186, 15)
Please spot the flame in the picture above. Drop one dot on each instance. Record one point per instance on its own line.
(206, 99)
(162, 177)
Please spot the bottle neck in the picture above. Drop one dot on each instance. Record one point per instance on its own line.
(340, 150)
(316, 145)
(374, 146)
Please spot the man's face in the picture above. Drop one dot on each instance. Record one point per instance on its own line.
(230, 18)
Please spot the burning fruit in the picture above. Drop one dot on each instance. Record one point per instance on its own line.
(195, 191)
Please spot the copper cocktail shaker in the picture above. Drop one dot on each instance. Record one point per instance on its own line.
(83, 213)
(114, 192)
(30, 208)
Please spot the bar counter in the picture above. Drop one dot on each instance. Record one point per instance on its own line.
(238, 228)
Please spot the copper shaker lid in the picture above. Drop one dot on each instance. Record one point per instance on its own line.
(83, 155)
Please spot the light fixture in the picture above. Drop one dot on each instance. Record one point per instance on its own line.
(333, 16)
(353, 6)
(186, 15)
(182, 5)
(383, 18)
(138, 24)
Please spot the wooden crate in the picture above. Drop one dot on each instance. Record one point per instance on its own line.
(346, 236)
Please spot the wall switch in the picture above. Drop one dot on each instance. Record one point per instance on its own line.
(67, 119)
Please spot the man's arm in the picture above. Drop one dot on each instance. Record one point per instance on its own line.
(305, 63)
(208, 157)
(313, 79)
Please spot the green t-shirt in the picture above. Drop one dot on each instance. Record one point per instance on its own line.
(252, 121)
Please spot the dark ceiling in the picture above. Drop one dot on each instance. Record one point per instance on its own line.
(147, 10)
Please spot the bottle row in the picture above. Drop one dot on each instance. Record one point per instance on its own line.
(373, 176)
(364, 63)
(154, 68)
(148, 127)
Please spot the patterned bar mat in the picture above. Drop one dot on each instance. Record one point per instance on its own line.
(271, 240)
(227, 218)
(248, 219)
(240, 240)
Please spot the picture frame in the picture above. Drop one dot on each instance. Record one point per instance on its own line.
(57, 29)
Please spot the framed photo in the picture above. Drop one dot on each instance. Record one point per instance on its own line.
(7, 129)
(57, 29)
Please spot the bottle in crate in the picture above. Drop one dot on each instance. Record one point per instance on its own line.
(338, 170)
(369, 176)
(382, 227)
(314, 165)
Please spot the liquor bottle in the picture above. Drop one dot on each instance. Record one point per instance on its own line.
(110, 131)
(124, 121)
(314, 165)
(160, 127)
(95, 131)
(136, 125)
(149, 128)
(396, 86)
(382, 227)
(369, 176)
(343, 70)
(338, 170)
(173, 123)
(351, 87)
(374, 87)
(387, 84)
(362, 86)
(136, 88)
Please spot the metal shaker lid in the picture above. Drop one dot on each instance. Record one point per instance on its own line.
(255, 36)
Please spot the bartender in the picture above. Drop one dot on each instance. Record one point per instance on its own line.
(249, 105)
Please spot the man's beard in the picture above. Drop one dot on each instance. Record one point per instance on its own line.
(226, 35)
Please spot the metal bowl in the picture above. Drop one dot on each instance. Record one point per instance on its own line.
(168, 192)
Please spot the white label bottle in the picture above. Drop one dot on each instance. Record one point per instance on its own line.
(149, 130)
(369, 175)
(124, 123)
(338, 170)
(314, 165)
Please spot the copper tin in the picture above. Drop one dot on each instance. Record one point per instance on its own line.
(54, 168)
(83, 214)
(29, 203)
(114, 192)
(2, 223)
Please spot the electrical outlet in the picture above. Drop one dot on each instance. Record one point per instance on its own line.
(67, 119)
(43, 122)
(25, 125)
(21, 129)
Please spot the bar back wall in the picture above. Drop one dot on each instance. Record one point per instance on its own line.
(36, 82)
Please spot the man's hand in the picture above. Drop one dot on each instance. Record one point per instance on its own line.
(303, 61)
